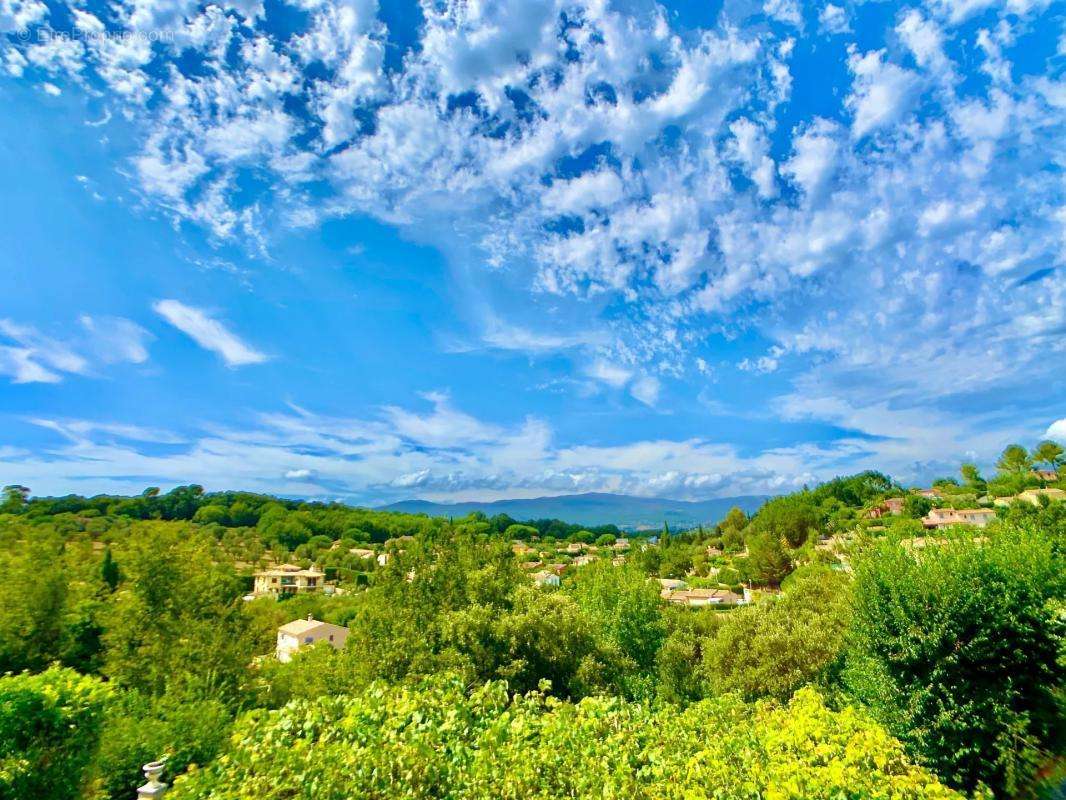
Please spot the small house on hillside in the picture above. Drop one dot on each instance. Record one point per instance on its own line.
(696, 598)
(306, 632)
(946, 517)
(889, 506)
(288, 579)
(545, 578)
(1033, 495)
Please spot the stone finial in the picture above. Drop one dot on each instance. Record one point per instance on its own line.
(154, 788)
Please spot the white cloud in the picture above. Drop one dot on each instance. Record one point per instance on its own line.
(37, 358)
(114, 339)
(209, 333)
(646, 389)
(18, 15)
(1057, 430)
(609, 373)
(881, 92)
(815, 157)
(833, 19)
(373, 460)
(17, 363)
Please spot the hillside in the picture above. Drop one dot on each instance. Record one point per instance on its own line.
(595, 508)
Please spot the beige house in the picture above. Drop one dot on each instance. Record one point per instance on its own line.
(546, 578)
(288, 579)
(1033, 495)
(696, 598)
(946, 517)
(305, 632)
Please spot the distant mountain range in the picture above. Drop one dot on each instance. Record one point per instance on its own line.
(595, 508)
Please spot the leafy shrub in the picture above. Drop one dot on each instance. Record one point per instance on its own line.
(957, 649)
(442, 740)
(49, 728)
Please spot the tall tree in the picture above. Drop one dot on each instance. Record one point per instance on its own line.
(1048, 452)
(1014, 460)
(971, 475)
(14, 499)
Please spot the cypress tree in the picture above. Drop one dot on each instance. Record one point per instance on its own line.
(109, 571)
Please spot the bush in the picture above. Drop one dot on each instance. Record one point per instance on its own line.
(139, 729)
(442, 740)
(774, 647)
(49, 729)
(957, 649)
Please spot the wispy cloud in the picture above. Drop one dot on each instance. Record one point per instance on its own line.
(209, 333)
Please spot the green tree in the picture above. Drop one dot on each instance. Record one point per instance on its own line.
(972, 476)
(176, 623)
(772, 648)
(769, 559)
(1014, 460)
(957, 649)
(1049, 453)
(792, 518)
(109, 571)
(33, 599)
(624, 607)
(915, 506)
(14, 499)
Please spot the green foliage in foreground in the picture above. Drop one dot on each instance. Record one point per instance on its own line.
(49, 727)
(442, 740)
(959, 649)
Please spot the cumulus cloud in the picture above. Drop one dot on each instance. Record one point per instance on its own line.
(655, 181)
(1057, 430)
(404, 452)
(882, 92)
(208, 332)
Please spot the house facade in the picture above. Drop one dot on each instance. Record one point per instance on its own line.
(305, 633)
(946, 517)
(288, 579)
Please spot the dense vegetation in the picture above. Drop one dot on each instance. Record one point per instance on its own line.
(870, 664)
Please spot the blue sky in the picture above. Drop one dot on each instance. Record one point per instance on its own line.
(507, 249)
